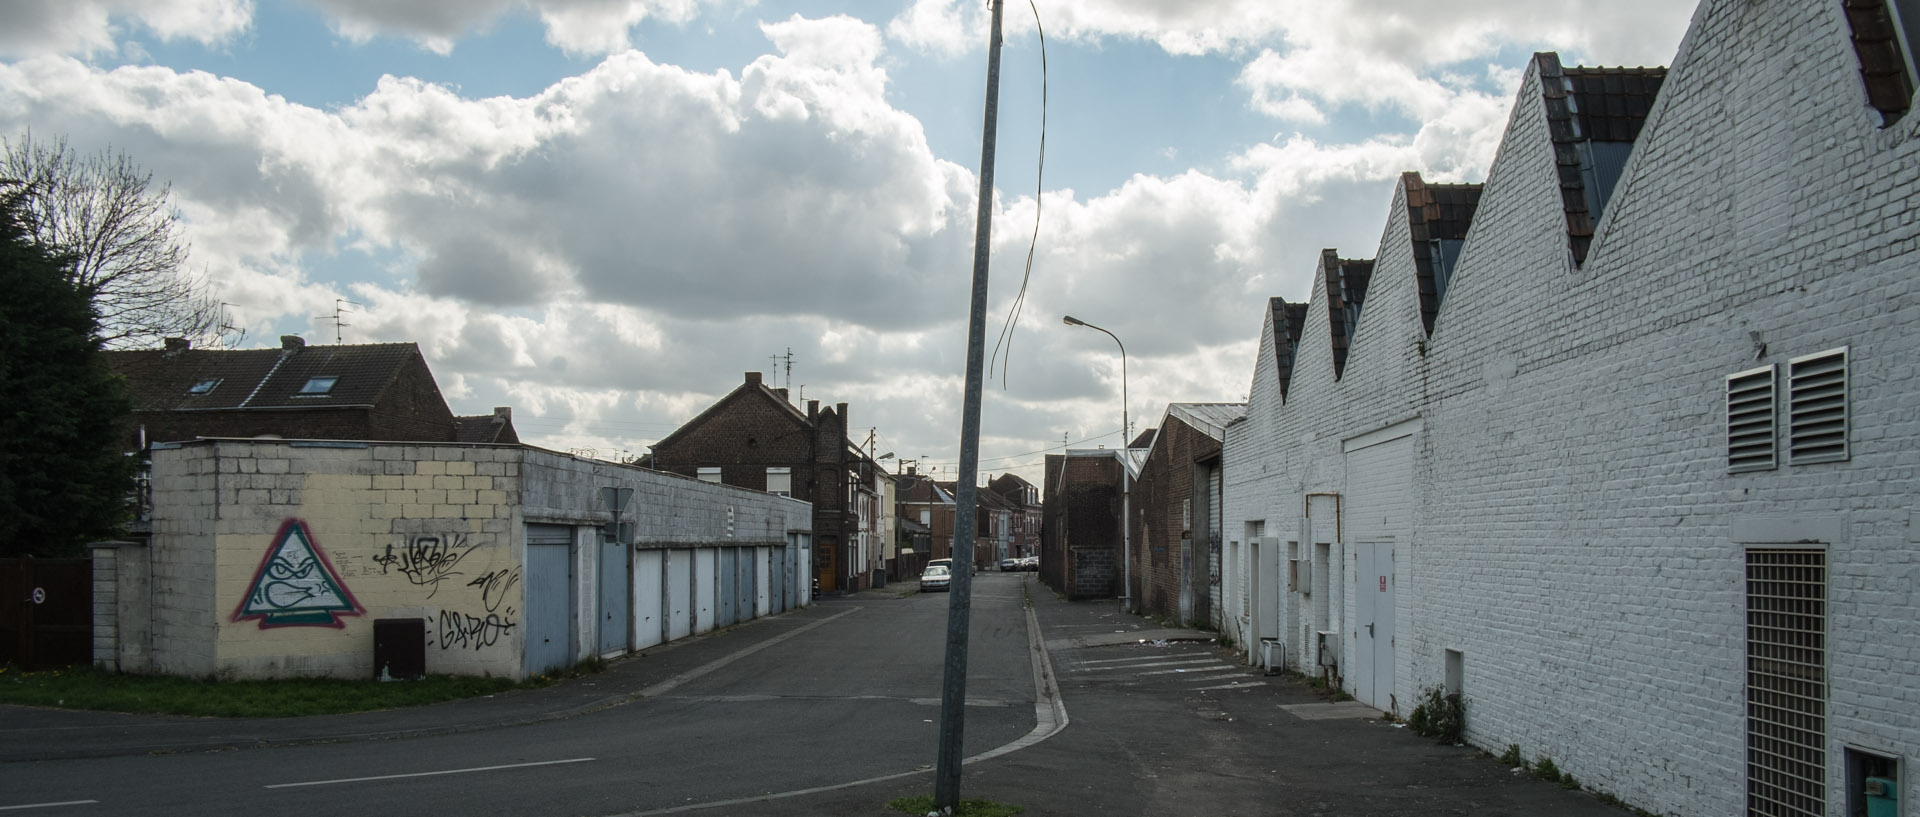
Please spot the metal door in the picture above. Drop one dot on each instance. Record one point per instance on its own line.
(614, 573)
(679, 594)
(1373, 587)
(743, 590)
(649, 586)
(704, 560)
(549, 598)
(801, 586)
(762, 571)
(777, 581)
(726, 608)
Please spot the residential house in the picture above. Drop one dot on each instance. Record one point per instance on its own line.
(1023, 536)
(930, 506)
(754, 438)
(1176, 513)
(374, 391)
(1619, 446)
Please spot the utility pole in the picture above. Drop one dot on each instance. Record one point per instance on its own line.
(953, 689)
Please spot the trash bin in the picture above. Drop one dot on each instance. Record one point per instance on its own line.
(879, 577)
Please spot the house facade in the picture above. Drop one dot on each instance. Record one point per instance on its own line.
(1023, 499)
(1620, 445)
(931, 508)
(754, 438)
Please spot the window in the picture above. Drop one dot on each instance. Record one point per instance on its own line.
(1750, 435)
(780, 481)
(319, 385)
(1817, 407)
(710, 474)
(1885, 36)
(204, 387)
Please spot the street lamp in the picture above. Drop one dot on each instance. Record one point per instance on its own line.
(1126, 492)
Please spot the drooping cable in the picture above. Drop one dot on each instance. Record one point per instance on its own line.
(1039, 193)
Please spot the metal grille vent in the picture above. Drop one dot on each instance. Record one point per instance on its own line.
(1750, 437)
(1817, 407)
(1786, 683)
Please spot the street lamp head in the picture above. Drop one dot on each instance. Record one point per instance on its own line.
(1072, 321)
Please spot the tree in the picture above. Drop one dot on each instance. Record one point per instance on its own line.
(63, 478)
(120, 238)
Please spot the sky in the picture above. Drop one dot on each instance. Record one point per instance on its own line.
(601, 213)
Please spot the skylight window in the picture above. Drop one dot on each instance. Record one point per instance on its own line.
(204, 386)
(319, 385)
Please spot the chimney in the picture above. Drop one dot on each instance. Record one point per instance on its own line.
(841, 409)
(502, 415)
(782, 391)
(753, 378)
(813, 410)
(291, 342)
(913, 470)
(175, 346)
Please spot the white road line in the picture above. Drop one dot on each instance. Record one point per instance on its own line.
(1156, 664)
(1223, 668)
(1231, 686)
(48, 805)
(1139, 658)
(429, 774)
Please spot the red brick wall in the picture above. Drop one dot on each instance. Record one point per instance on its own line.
(1159, 524)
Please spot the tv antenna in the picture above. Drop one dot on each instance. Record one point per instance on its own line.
(340, 310)
(788, 357)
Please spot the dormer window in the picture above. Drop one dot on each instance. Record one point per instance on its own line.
(203, 387)
(319, 386)
(1884, 34)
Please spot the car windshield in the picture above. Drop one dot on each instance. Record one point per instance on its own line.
(937, 570)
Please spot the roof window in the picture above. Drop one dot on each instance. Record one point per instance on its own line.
(1885, 36)
(204, 387)
(319, 385)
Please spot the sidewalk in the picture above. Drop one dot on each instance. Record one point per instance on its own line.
(31, 733)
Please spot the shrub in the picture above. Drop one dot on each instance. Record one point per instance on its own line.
(1442, 717)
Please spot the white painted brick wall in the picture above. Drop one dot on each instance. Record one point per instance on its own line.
(1572, 533)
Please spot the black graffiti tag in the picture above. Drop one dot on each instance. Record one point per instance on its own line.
(427, 560)
(494, 586)
(469, 632)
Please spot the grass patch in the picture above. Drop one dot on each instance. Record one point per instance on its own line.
(923, 804)
(90, 688)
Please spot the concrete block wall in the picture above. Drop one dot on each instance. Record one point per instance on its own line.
(1575, 533)
(181, 617)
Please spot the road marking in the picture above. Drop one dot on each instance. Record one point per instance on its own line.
(1156, 664)
(1223, 668)
(1139, 658)
(428, 774)
(1231, 686)
(48, 805)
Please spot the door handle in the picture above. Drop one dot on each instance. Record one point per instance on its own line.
(1369, 631)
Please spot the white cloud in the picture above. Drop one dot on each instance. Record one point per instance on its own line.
(38, 27)
(576, 26)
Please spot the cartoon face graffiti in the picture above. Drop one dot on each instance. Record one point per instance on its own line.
(295, 587)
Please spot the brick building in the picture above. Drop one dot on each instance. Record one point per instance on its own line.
(754, 438)
(930, 506)
(1630, 466)
(376, 391)
(1175, 513)
(1080, 523)
(1023, 499)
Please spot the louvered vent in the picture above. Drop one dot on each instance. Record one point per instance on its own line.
(1750, 436)
(1817, 407)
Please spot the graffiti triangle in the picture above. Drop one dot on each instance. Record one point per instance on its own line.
(295, 587)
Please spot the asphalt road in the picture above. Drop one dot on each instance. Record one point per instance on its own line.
(852, 699)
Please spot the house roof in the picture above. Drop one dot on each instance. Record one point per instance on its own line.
(1210, 419)
(1134, 457)
(486, 428)
(1288, 320)
(1436, 213)
(1593, 117)
(239, 379)
(750, 387)
(1346, 280)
